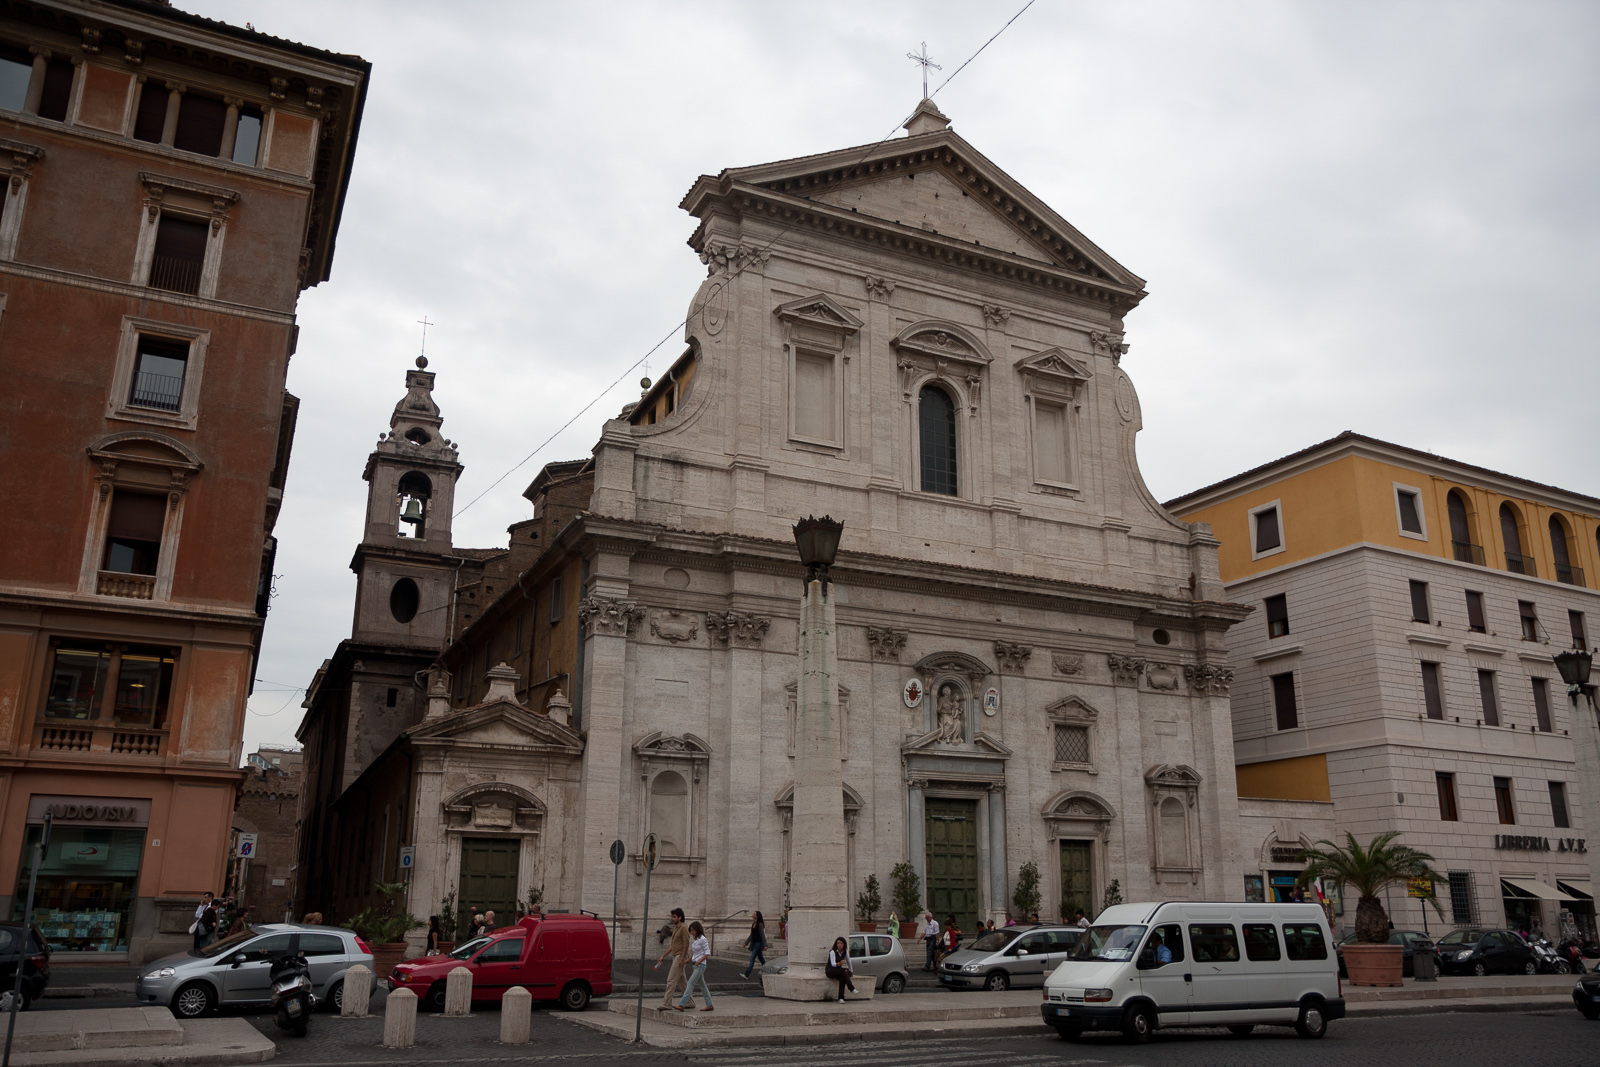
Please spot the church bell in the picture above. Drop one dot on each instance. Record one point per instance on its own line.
(413, 512)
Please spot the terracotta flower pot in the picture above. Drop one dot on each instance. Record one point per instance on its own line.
(446, 947)
(385, 956)
(867, 927)
(1374, 964)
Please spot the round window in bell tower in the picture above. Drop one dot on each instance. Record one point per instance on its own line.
(403, 600)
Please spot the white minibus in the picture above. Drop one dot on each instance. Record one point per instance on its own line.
(1189, 963)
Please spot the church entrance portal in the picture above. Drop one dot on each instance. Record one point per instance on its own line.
(952, 860)
(1077, 880)
(488, 879)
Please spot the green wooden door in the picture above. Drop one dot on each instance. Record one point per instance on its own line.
(1077, 880)
(488, 879)
(952, 860)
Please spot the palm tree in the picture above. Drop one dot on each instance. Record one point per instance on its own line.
(1369, 869)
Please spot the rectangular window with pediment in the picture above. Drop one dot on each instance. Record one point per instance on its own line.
(815, 400)
(818, 338)
(157, 375)
(1052, 449)
(1072, 731)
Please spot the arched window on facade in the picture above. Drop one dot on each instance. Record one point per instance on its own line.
(1463, 543)
(1561, 548)
(936, 420)
(415, 490)
(1511, 533)
(669, 812)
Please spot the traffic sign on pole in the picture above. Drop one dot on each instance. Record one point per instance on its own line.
(247, 846)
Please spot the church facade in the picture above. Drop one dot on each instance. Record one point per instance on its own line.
(1032, 664)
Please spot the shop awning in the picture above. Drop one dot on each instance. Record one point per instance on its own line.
(1532, 887)
(1581, 888)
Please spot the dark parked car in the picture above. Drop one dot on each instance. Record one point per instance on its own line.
(1406, 938)
(1586, 996)
(35, 962)
(1485, 952)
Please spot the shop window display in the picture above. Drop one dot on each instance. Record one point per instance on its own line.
(86, 889)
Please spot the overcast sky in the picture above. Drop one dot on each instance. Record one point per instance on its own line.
(1370, 216)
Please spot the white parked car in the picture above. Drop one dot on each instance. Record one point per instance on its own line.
(1145, 966)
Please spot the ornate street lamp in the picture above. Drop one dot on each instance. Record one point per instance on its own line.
(1574, 666)
(818, 541)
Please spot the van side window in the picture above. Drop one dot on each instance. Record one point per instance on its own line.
(1031, 944)
(1063, 940)
(1166, 944)
(1304, 942)
(1214, 942)
(507, 951)
(1260, 942)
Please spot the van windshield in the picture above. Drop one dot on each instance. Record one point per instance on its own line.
(465, 951)
(1110, 944)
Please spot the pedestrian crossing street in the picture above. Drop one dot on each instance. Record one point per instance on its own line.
(878, 1054)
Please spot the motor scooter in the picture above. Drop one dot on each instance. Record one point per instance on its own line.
(1572, 952)
(290, 976)
(1547, 958)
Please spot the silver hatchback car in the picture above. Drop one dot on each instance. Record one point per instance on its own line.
(875, 956)
(1013, 956)
(234, 970)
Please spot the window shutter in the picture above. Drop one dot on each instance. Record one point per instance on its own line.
(813, 396)
(1419, 601)
(1432, 695)
(1267, 530)
(137, 516)
(1283, 701)
(1410, 520)
(1050, 441)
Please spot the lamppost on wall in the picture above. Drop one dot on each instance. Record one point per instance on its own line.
(1574, 665)
(819, 908)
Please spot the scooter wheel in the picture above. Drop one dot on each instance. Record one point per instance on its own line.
(300, 1027)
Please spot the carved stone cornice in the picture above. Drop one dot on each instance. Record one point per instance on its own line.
(1125, 670)
(608, 616)
(1013, 657)
(739, 629)
(18, 158)
(1213, 681)
(886, 643)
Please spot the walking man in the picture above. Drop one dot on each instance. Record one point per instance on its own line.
(930, 935)
(678, 949)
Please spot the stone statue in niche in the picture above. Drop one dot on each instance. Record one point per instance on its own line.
(952, 724)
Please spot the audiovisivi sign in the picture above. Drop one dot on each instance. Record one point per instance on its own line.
(90, 811)
(1521, 843)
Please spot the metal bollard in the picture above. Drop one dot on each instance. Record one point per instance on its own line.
(400, 1019)
(515, 1009)
(458, 993)
(357, 993)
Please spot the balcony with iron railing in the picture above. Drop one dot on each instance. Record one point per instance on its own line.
(1467, 552)
(1521, 565)
(164, 392)
(1566, 572)
(175, 275)
(67, 738)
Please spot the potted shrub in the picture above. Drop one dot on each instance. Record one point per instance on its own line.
(449, 918)
(907, 898)
(1025, 898)
(384, 928)
(868, 904)
(1371, 960)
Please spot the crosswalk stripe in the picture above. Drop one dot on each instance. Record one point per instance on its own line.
(899, 1056)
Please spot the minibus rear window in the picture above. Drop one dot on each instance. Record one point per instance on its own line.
(1110, 944)
(1304, 942)
(1213, 942)
(1260, 942)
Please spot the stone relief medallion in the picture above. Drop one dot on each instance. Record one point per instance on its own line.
(912, 693)
(1067, 663)
(715, 311)
(991, 701)
(675, 626)
(1127, 403)
(675, 578)
(1163, 676)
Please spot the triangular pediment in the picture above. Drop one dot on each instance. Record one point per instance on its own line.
(500, 724)
(820, 310)
(934, 183)
(930, 744)
(1055, 364)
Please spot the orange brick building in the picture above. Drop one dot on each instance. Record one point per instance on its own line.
(170, 185)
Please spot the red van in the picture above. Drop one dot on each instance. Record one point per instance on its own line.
(560, 957)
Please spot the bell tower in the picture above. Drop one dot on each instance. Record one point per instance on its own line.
(403, 578)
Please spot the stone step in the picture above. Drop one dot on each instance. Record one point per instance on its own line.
(206, 1043)
(102, 1028)
(1552, 984)
(742, 1012)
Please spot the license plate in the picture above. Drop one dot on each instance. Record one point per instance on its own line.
(294, 1007)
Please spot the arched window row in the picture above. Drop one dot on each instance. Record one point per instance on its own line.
(1517, 539)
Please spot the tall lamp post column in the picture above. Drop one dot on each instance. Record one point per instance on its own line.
(819, 908)
(1574, 666)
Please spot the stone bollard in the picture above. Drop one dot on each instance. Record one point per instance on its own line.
(515, 1008)
(357, 993)
(458, 993)
(400, 1019)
